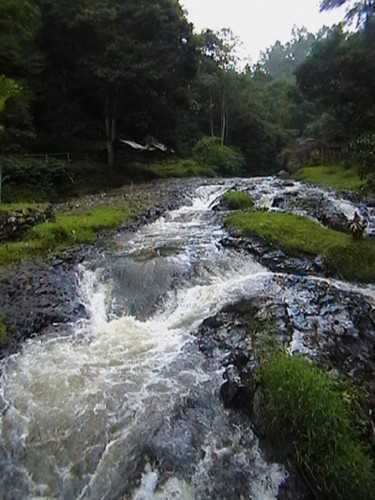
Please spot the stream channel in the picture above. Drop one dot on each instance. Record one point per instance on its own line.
(124, 404)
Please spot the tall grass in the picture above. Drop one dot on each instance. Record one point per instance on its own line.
(315, 417)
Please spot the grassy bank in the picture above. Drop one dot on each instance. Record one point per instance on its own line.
(68, 229)
(317, 424)
(338, 177)
(301, 236)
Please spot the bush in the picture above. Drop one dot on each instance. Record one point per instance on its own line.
(35, 179)
(181, 168)
(317, 419)
(224, 160)
(237, 200)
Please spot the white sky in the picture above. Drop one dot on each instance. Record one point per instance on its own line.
(259, 23)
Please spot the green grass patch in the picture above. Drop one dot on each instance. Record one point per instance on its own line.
(301, 236)
(14, 207)
(318, 421)
(339, 177)
(68, 229)
(238, 200)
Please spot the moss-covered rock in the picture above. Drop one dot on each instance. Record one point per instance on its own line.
(237, 200)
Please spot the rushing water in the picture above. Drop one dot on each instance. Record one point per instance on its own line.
(127, 406)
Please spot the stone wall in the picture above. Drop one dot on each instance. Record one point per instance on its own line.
(14, 224)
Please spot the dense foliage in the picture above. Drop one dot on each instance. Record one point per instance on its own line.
(88, 73)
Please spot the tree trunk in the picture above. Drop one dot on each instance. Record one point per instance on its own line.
(211, 111)
(223, 120)
(109, 141)
(110, 130)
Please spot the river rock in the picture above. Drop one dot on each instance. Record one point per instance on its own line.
(275, 260)
(307, 316)
(316, 204)
(35, 297)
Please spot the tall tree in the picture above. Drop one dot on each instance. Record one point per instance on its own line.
(339, 77)
(128, 62)
(282, 60)
(218, 61)
(362, 10)
(19, 23)
(21, 61)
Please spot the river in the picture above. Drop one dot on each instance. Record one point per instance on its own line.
(123, 404)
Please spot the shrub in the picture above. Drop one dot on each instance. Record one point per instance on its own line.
(35, 179)
(182, 168)
(224, 160)
(237, 200)
(317, 419)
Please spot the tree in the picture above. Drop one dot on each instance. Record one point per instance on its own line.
(128, 63)
(218, 62)
(19, 24)
(362, 10)
(339, 77)
(282, 60)
(20, 61)
(8, 89)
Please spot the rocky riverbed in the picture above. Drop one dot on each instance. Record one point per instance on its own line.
(172, 317)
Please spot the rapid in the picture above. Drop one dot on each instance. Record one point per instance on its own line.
(123, 404)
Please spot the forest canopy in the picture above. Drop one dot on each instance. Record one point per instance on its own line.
(90, 72)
